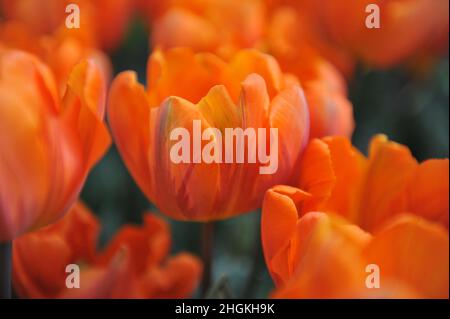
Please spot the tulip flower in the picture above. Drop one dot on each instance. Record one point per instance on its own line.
(350, 216)
(48, 144)
(292, 38)
(61, 51)
(102, 21)
(425, 22)
(294, 33)
(133, 265)
(195, 93)
(219, 26)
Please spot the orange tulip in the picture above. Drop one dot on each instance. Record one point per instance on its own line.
(423, 22)
(61, 51)
(133, 265)
(349, 213)
(48, 145)
(248, 93)
(293, 39)
(224, 27)
(101, 21)
(295, 33)
(220, 26)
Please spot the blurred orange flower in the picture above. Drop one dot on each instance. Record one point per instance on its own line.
(133, 265)
(61, 50)
(290, 35)
(102, 22)
(349, 212)
(222, 27)
(48, 145)
(292, 38)
(294, 33)
(249, 92)
(406, 27)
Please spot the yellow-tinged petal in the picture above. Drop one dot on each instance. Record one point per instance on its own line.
(251, 61)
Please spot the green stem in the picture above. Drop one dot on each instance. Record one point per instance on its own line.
(207, 251)
(5, 270)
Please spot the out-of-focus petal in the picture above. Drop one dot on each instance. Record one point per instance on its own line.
(326, 257)
(129, 111)
(71, 240)
(415, 252)
(389, 169)
(176, 279)
(427, 192)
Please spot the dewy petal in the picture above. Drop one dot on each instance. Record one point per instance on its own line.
(427, 191)
(413, 252)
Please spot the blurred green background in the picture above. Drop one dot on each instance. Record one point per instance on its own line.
(409, 109)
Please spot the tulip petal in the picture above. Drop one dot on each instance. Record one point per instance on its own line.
(129, 111)
(348, 166)
(71, 240)
(180, 182)
(390, 167)
(415, 252)
(278, 223)
(327, 262)
(84, 103)
(317, 176)
(289, 114)
(428, 191)
(167, 76)
(246, 62)
(176, 279)
(146, 246)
